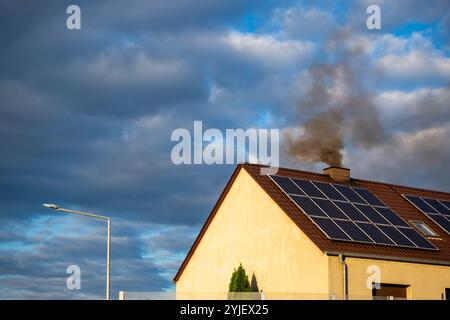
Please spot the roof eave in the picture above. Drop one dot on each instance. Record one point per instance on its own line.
(388, 258)
(207, 222)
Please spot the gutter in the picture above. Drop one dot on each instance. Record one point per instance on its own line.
(345, 274)
(388, 258)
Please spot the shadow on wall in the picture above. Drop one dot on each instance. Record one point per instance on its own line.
(240, 288)
(254, 293)
(254, 284)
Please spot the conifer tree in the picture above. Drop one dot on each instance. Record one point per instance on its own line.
(239, 281)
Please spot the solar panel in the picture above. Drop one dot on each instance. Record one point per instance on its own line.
(442, 221)
(421, 204)
(391, 216)
(353, 231)
(372, 214)
(438, 206)
(287, 185)
(348, 193)
(369, 197)
(330, 209)
(446, 203)
(435, 209)
(329, 191)
(396, 236)
(351, 211)
(309, 188)
(375, 233)
(352, 214)
(308, 206)
(330, 228)
(418, 240)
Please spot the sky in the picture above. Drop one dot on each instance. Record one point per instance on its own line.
(86, 118)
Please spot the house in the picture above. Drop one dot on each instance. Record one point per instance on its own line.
(298, 234)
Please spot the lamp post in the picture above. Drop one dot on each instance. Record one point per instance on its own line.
(108, 243)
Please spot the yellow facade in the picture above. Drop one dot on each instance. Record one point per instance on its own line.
(424, 281)
(250, 228)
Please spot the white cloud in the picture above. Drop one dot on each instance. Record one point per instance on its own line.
(300, 23)
(420, 108)
(415, 65)
(268, 50)
(421, 156)
(400, 61)
(396, 102)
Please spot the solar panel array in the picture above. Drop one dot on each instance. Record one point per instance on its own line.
(436, 210)
(350, 213)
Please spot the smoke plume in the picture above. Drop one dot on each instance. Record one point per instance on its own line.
(339, 109)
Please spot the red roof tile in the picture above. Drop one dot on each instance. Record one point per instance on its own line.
(390, 194)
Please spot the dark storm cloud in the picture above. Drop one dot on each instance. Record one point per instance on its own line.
(39, 271)
(65, 119)
(164, 15)
(128, 274)
(86, 118)
(82, 68)
(67, 104)
(173, 240)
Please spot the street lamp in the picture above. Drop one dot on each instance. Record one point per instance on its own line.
(108, 243)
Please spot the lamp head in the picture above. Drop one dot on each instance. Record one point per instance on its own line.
(51, 206)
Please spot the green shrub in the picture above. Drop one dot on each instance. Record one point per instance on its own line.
(239, 281)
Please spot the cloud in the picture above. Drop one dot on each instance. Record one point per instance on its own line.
(412, 110)
(312, 24)
(395, 13)
(403, 62)
(37, 269)
(411, 158)
(128, 68)
(86, 119)
(416, 67)
(269, 51)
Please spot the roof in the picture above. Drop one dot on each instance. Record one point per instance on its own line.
(390, 194)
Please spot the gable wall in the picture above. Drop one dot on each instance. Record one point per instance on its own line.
(249, 227)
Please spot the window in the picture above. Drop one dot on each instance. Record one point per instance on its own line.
(426, 230)
(390, 291)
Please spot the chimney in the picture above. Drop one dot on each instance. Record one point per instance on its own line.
(338, 173)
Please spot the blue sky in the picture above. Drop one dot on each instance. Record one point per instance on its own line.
(86, 118)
